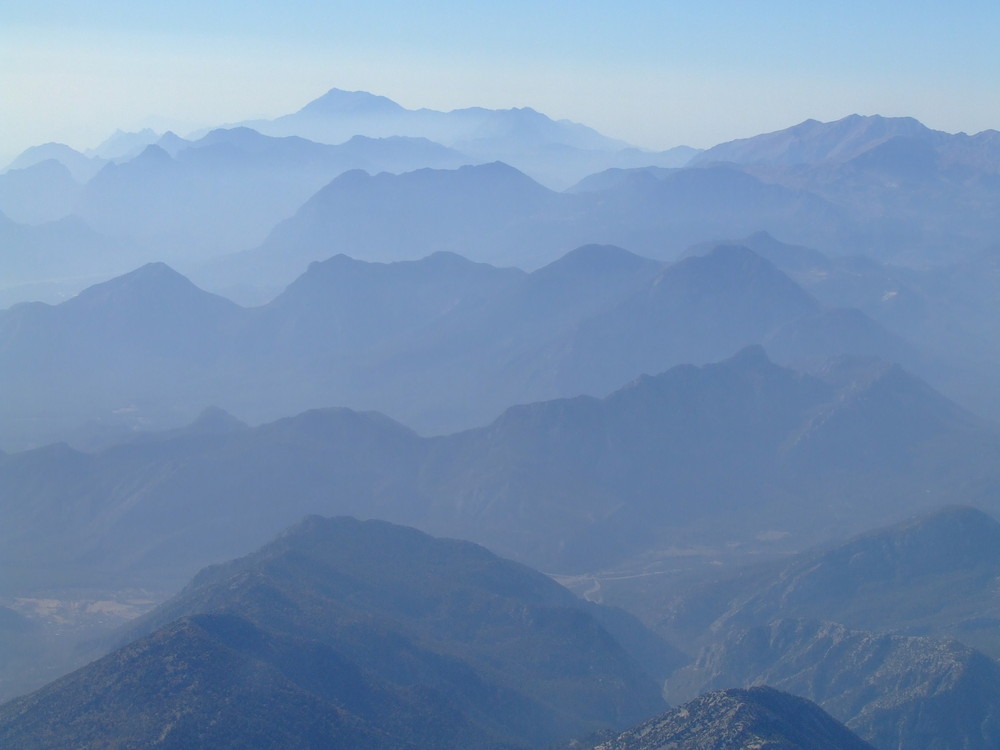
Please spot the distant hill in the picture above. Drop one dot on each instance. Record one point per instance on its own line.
(759, 717)
(346, 632)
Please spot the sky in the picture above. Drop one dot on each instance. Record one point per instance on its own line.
(656, 74)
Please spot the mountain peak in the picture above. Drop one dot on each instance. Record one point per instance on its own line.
(752, 356)
(598, 259)
(153, 281)
(337, 102)
(757, 717)
(215, 420)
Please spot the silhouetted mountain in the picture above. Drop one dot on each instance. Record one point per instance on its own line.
(759, 717)
(496, 214)
(891, 690)
(950, 310)
(149, 330)
(698, 310)
(355, 305)
(909, 193)
(619, 178)
(812, 142)
(511, 341)
(557, 153)
(477, 212)
(338, 115)
(383, 636)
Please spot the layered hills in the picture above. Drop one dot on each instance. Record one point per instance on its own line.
(558, 153)
(278, 196)
(441, 343)
(733, 456)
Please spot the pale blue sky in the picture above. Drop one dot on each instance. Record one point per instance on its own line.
(657, 74)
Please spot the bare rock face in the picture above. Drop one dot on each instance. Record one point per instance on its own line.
(760, 718)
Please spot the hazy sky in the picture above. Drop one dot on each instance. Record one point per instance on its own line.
(657, 74)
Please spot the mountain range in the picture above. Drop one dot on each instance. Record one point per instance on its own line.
(886, 187)
(557, 153)
(441, 343)
(702, 428)
(693, 465)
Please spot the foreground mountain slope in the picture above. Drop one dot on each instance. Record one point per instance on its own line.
(176, 689)
(894, 691)
(343, 631)
(760, 717)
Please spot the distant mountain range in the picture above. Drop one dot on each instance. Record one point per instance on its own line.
(888, 188)
(692, 466)
(558, 153)
(494, 213)
(813, 142)
(673, 431)
(441, 343)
